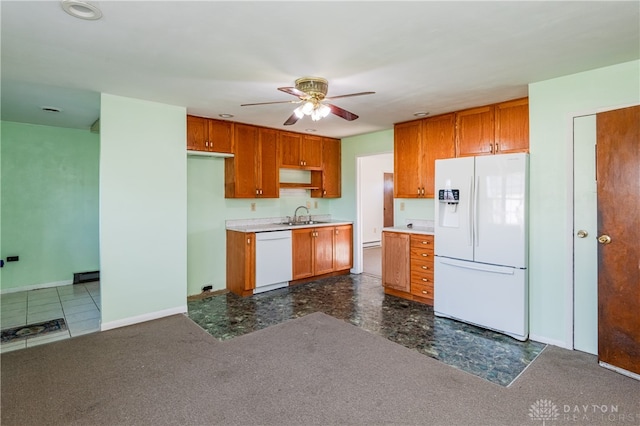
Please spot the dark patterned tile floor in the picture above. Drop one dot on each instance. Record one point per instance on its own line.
(360, 300)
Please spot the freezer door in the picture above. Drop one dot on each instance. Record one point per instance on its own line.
(500, 226)
(453, 232)
(494, 297)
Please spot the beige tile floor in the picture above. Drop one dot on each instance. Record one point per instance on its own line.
(78, 304)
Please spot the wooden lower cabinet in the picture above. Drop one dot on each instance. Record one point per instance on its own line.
(395, 261)
(241, 262)
(321, 250)
(422, 267)
(317, 251)
(407, 265)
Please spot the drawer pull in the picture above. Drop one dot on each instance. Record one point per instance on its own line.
(424, 255)
(425, 292)
(424, 267)
(426, 242)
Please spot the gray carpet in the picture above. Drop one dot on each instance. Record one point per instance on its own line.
(312, 370)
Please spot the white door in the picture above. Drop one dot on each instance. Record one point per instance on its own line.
(453, 221)
(501, 210)
(585, 246)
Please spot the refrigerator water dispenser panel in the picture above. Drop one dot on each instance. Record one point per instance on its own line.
(449, 196)
(448, 206)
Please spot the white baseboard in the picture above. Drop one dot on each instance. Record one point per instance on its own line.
(143, 318)
(369, 244)
(36, 286)
(548, 341)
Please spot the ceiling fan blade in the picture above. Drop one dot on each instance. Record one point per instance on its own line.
(349, 116)
(269, 103)
(293, 91)
(291, 120)
(349, 95)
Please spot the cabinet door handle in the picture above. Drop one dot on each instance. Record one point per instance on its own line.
(249, 241)
(324, 192)
(497, 146)
(418, 191)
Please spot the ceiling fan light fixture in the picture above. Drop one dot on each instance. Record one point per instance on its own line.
(307, 108)
(324, 110)
(298, 111)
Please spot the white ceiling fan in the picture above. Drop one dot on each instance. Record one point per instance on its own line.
(311, 93)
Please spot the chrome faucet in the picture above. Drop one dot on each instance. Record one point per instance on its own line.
(295, 214)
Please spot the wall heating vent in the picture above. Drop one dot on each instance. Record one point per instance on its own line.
(85, 277)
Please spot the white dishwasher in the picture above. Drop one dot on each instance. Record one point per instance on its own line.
(273, 260)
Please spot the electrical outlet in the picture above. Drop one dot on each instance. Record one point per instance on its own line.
(13, 258)
(401, 207)
(375, 230)
(315, 204)
(253, 207)
(207, 288)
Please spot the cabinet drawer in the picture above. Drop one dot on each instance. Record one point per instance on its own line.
(422, 241)
(421, 255)
(422, 290)
(421, 267)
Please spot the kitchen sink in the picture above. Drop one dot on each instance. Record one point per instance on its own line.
(303, 223)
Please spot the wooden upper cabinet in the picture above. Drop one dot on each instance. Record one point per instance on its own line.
(418, 144)
(290, 144)
(298, 151)
(196, 133)
(312, 152)
(475, 131)
(408, 160)
(205, 134)
(268, 166)
(438, 142)
(253, 170)
(329, 179)
(220, 136)
(512, 126)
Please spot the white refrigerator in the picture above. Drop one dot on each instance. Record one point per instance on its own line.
(481, 248)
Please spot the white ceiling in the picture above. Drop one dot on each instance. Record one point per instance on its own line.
(213, 56)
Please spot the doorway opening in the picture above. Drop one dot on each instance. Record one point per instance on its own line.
(374, 191)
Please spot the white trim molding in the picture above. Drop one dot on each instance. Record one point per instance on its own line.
(36, 286)
(143, 318)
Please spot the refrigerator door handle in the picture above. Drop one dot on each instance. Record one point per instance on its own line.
(475, 210)
(471, 198)
(505, 270)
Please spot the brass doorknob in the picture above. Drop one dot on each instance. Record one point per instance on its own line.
(582, 233)
(604, 239)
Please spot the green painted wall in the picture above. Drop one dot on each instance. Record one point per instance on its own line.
(552, 106)
(49, 195)
(208, 211)
(143, 210)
